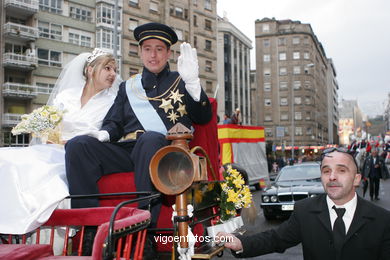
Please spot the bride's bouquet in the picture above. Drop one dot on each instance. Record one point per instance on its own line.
(40, 122)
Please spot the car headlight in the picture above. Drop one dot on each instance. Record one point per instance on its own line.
(274, 198)
(266, 199)
(313, 195)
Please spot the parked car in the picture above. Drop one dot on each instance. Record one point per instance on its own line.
(293, 183)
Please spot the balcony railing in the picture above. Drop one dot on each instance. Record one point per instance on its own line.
(20, 61)
(28, 6)
(19, 90)
(21, 31)
(10, 119)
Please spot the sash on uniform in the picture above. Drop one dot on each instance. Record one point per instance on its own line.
(143, 110)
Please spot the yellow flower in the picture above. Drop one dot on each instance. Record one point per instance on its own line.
(44, 113)
(231, 212)
(238, 182)
(232, 196)
(54, 118)
(198, 196)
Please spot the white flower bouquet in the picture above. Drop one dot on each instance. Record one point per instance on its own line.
(40, 122)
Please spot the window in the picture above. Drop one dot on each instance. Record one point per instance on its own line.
(267, 87)
(105, 13)
(133, 3)
(133, 23)
(133, 49)
(209, 66)
(208, 45)
(50, 30)
(266, 43)
(284, 117)
(306, 39)
(306, 55)
(297, 84)
(133, 71)
(195, 42)
(80, 38)
(307, 101)
(268, 132)
(266, 57)
(53, 6)
(298, 116)
(309, 131)
(209, 86)
(297, 100)
(179, 34)
(283, 85)
(267, 72)
(104, 39)
(308, 115)
(49, 58)
(283, 101)
(195, 20)
(295, 40)
(298, 130)
(268, 118)
(296, 55)
(179, 12)
(265, 27)
(282, 56)
(80, 13)
(282, 71)
(207, 4)
(153, 7)
(267, 102)
(207, 24)
(44, 88)
(286, 133)
(282, 41)
(307, 85)
(297, 70)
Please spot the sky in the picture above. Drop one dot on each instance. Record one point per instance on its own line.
(355, 34)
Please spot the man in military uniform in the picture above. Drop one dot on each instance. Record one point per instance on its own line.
(146, 107)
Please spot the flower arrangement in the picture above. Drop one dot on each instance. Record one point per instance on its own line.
(40, 122)
(234, 195)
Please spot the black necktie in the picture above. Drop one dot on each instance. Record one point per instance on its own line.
(339, 228)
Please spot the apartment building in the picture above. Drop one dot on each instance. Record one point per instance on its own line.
(295, 80)
(234, 88)
(39, 37)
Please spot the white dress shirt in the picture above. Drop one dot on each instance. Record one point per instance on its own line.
(350, 208)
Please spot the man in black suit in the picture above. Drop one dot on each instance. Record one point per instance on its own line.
(374, 170)
(134, 129)
(339, 225)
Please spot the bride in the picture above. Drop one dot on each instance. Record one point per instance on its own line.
(33, 179)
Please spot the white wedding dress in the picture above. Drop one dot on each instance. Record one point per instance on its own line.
(33, 179)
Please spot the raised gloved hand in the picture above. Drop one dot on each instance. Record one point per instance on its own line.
(188, 68)
(102, 135)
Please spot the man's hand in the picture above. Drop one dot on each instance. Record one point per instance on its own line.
(229, 241)
(188, 68)
(102, 135)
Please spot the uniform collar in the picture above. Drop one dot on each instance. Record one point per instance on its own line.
(150, 79)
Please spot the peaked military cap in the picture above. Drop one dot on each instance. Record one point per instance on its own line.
(155, 31)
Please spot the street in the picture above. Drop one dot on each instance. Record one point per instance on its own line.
(295, 253)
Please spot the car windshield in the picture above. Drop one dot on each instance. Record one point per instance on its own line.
(300, 172)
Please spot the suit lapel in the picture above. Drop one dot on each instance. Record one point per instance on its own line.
(361, 217)
(321, 208)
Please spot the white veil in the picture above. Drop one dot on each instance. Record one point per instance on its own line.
(72, 78)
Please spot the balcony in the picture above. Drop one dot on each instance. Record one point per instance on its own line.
(19, 90)
(11, 120)
(19, 31)
(19, 61)
(111, 2)
(22, 7)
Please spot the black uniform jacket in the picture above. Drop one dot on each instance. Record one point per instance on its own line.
(368, 237)
(121, 120)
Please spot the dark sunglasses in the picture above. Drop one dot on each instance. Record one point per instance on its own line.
(340, 150)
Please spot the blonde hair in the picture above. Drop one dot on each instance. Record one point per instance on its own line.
(97, 64)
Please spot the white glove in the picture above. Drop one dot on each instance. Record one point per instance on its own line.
(187, 253)
(102, 135)
(188, 68)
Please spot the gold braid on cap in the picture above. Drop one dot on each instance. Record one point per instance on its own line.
(96, 53)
